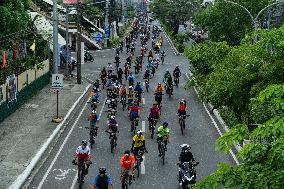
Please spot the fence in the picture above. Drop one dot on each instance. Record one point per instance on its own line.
(17, 90)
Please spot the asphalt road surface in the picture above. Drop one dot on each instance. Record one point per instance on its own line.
(200, 133)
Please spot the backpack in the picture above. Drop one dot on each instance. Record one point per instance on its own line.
(102, 182)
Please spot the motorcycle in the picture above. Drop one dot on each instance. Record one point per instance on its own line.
(88, 57)
(187, 174)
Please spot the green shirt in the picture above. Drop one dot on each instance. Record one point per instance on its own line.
(163, 131)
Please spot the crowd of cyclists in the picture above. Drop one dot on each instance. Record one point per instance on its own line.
(122, 87)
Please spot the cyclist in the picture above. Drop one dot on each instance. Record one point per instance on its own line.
(93, 118)
(147, 74)
(177, 73)
(150, 55)
(96, 85)
(182, 108)
(127, 162)
(109, 69)
(122, 90)
(185, 155)
(112, 125)
(117, 58)
(131, 78)
(163, 56)
(138, 90)
(163, 134)
(83, 155)
(134, 111)
(138, 143)
(142, 51)
(120, 74)
(102, 181)
(130, 95)
(166, 76)
(159, 88)
(154, 112)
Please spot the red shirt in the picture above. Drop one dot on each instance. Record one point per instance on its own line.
(134, 108)
(127, 162)
(182, 107)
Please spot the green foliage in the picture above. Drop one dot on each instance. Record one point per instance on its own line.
(13, 17)
(231, 76)
(263, 159)
(227, 22)
(269, 103)
(114, 41)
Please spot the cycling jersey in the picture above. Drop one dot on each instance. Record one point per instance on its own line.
(163, 131)
(159, 89)
(154, 112)
(138, 88)
(83, 153)
(182, 107)
(101, 182)
(134, 109)
(127, 162)
(138, 141)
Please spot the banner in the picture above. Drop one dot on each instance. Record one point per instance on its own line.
(11, 88)
(69, 2)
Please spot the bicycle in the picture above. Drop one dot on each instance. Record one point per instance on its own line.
(163, 58)
(125, 180)
(181, 122)
(113, 140)
(169, 90)
(134, 125)
(123, 102)
(152, 125)
(147, 84)
(176, 81)
(162, 149)
(138, 159)
(81, 173)
(93, 134)
(138, 97)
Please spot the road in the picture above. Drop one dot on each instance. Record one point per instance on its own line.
(58, 172)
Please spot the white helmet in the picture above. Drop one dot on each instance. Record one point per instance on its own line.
(139, 132)
(112, 117)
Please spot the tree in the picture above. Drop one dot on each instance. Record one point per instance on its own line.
(228, 22)
(262, 159)
(174, 12)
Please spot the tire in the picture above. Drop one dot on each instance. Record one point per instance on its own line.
(81, 176)
(163, 158)
(181, 126)
(138, 169)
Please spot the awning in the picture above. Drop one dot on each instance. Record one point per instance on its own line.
(50, 2)
(45, 29)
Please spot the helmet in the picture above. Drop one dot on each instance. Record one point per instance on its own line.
(138, 82)
(102, 170)
(84, 142)
(181, 102)
(93, 112)
(159, 83)
(185, 147)
(139, 132)
(127, 152)
(165, 124)
(130, 87)
(112, 117)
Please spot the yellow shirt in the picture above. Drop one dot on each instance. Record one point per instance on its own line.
(138, 141)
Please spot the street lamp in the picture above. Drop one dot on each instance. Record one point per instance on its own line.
(254, 20)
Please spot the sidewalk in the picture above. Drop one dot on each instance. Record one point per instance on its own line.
(24, 132)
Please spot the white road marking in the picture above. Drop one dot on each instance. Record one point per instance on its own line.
(74, 181)
(60, 149)
(143, 100)
(143, 126)
(215, 124)
(102, 109)
(143, 170)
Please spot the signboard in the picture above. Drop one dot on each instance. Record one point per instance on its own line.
(107, 33)
(98, 37)
(70, 2)
(57, 81)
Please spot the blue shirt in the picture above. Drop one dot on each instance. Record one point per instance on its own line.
(96, 178)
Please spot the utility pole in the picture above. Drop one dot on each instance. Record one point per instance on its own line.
(107, 25)
(79, 15)
(55, 37)
(67, 39)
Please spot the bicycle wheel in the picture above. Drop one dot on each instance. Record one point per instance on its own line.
(181, 122)
(138, 168)
(80, 178)
(92, 141)
(111, 145)
(152, 130)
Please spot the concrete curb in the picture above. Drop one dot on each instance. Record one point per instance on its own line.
(17, 184)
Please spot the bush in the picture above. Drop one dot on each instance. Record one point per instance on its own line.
(114, 41)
